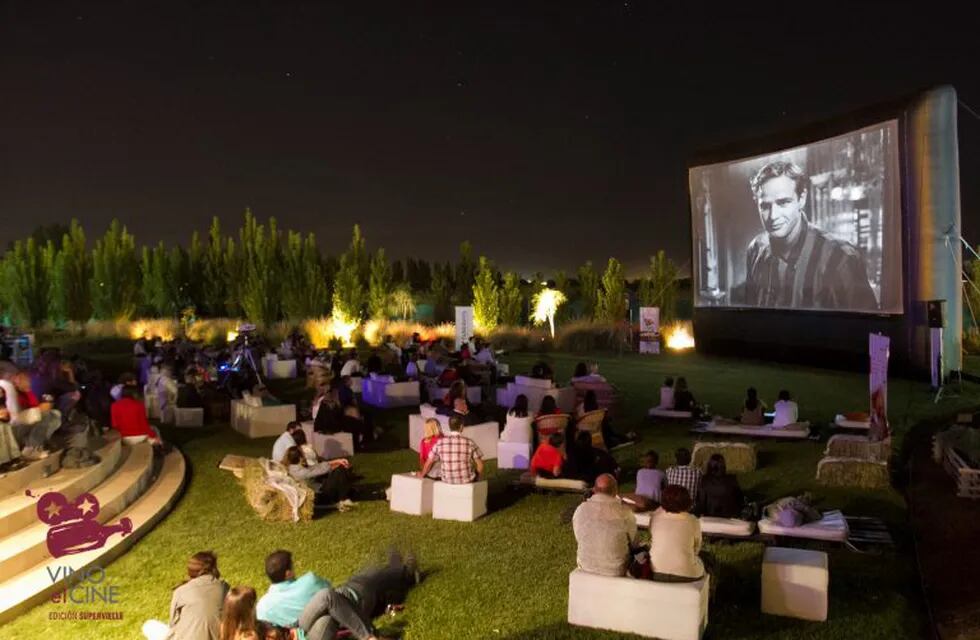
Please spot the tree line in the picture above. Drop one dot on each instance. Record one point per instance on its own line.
(266, 274)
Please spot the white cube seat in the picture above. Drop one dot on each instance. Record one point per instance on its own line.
(411, 494)
(189, 417)
(462, 502)
(281, 369)
(666, 610)
(386, 395)
(795, 583)
(152, 402)
(261, 422)
(474, 393)
(670, 414)
(513, 455)
(329, 445)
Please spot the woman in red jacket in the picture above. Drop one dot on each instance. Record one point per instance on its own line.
(129, 417)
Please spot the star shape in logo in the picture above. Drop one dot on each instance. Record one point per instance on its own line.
(86, 505)
(52, 510)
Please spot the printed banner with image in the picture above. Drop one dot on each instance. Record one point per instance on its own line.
(878, 349)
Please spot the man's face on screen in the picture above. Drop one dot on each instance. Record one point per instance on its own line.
(780, 208)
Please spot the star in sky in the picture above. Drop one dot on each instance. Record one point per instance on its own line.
(52, 510)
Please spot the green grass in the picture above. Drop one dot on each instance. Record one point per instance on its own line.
(505, 576)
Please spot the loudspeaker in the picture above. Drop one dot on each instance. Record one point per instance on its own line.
(936, 313)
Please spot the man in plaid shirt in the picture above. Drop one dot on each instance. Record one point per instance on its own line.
(684, 475)
(458, 454)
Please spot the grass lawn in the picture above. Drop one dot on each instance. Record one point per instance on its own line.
(505, 576)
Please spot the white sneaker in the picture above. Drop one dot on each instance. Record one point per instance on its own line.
(346, 504)
(34, 453)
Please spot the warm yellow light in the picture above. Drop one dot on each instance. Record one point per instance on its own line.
(231, 336)
(546, 303)
(343, 327)
(678, 337)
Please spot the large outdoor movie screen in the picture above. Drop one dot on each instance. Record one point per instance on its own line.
(815, 227)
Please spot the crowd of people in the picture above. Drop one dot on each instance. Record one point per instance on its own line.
(295, 605)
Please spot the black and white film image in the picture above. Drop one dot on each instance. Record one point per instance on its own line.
(817, 227)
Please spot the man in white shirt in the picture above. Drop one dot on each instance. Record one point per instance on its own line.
(285, 441)
(605, 530)
(351, 366)
(667, 394)
(485, 355)
(786, 411)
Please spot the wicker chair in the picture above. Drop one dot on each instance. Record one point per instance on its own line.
(592, 422)
(547, 425)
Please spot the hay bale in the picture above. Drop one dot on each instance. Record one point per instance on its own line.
(853, 472)
(854, 446)
(270, 504)
(739, 456)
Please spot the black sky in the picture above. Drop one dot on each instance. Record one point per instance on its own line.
(546, 133)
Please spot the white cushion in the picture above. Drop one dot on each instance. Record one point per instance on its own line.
(764, 431)
(517, 429)
(560, 484)
(667, 610)
(386, 394)
(189, 417)
(831, 527)
(261, 422)
(732, 527)
(795, 583)
(281, 369)
(844, 423)
(657, 412)
(526, 381)
(462, 502)
(411, 494)
(513, 455)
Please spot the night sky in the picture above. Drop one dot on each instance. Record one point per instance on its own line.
(545, 134)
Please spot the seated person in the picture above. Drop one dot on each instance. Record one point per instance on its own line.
(547, 459)
(485, 355)
(611, 439)
(310, 456)
(461, 458)
(431, 434)
(586, 373)
(720, 495)
(543, 371)
(412, 368)
(285, 440)
(354, 422)
(127, 379)
(462, 411)
(683, 399)
(374, 363)
(584, 461)
(345, 392)
(456, 390)
(9, 449)
(390, 344)
(667, 394)
(605, 530)
(753, 411)
(353, 605)
(351, 365)
(34, 421)
(517, 428)
(650, 480)
(792, 511)
(549, 407)
(195, 606)
(330, 479)
(287, 595)
(787, 412)
(684, 474)
(675, 538)
(128, 417)
(238, 620)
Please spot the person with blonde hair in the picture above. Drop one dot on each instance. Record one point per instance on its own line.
(195, 607)
(431, 434)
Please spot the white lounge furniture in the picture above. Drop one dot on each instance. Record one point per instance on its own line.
(329, 445)
(485, 435)
(474, 393)
(832, 527)
(666, 610)
(669, 414)
(261, 422)
(189, 417)
(461, 502)
(383, 392)
(842, 422)
(536, 389)
(281, 369)
(795, 431)
(411, 494)
(795, 583)
(727, 527)
(513, 455)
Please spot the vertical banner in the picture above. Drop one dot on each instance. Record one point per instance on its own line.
(878, 350)
(936, 367)
(464, 325)
(649, 329)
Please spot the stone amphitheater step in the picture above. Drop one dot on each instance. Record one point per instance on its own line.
(17, 510)
(28, 547)
(29, 588)
(16, 481)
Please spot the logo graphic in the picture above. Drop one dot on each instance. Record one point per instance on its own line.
(73, 527)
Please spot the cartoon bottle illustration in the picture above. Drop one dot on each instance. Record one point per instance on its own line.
(73, 525)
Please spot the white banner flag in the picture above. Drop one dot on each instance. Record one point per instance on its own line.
(649, 329)
(878, 350)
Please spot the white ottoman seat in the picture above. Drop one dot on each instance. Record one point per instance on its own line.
(513, 455)
(411, 494)
(666, 610)
(329, 445)
(485, 435)
(795, 583)
(189, 417)
(281, 369)
(261, 422)
(386, 394)
(462, 502)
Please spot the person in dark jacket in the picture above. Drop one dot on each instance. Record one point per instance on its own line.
(720, 495)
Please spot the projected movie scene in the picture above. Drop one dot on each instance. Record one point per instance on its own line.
(815, 227)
